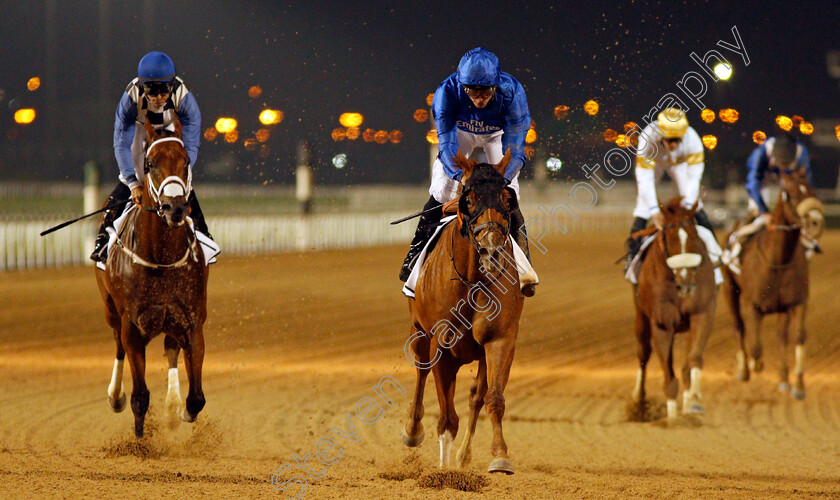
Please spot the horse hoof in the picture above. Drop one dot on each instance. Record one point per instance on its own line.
(694, 409)
(758, 365)
(743, 375)
(187, 417)
(798, 394)
(784, 386)
(118, 405)
(500, 465)
(411, 442)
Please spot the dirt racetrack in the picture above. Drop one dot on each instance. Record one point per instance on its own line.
(294, 341)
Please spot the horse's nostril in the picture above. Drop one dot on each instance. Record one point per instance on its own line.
(165, 206)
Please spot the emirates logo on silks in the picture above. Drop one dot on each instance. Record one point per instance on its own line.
(476, 126)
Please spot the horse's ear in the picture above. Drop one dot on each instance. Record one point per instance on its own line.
(694, 207)
(501, 167)
(801, 172)
(465, 164)
(151, 133)
(177, 123)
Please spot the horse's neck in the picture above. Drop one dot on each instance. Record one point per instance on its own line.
(464, 256)
(155, 241)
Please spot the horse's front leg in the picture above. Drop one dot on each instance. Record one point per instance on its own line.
(417, 353)
(445, 373)
(173, 394)
(782, 334)
(797, 314)
(663, 343)
(116, 392)
(477, 393)
(135, 348)
(701, 329)
(752, 335)
(643, 350)
(499, 356)
(193, 360)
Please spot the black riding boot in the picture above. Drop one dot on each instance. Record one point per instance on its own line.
(425, 229)
(198, 216)
(520, 236)
(121, 192)
(703, 219)
(634, 244)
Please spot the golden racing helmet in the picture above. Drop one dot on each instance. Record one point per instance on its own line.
(673, 123)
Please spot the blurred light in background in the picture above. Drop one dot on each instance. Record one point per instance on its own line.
(529, 152)
(250, 144)
(24, 116)
(591, 107)
(353, 133)
(554, 164)
(339, 134)
(621, 141)
(531, 136)
(395, 136)
(381, 136)
(729, 115)
(33, 83)
(350, 119)
(710, 141)
(368, 135)
(263, 134)
(211, 133)
(339, 161)
(432, 138)
(610, 135)
(254, 92)
(796, 120)
(806, 128)
(707, 115)
(561, 112)
(837, 132)
(421, 115)
(232, 136)
(629, 126)
(264, 151)
(429, 99)
(784, 122)
(271, 116)
(723, 71)
(759, 137)
(225, 125)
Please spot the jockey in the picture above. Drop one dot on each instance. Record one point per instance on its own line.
(157, 95)
(780, 154)
(478, 106)
(669, 144)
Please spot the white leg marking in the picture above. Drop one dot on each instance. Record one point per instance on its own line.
(173, 398)
(115, 388)
(800, 359)
(637, 391)
(672, 408)
(695, 383)
(445, 448)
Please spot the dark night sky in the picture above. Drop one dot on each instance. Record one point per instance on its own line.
(317, 59)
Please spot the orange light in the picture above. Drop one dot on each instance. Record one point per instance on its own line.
(784, 122)
(561, 112)
(353, 133)
(395, 136)
(263, 134)
(707, 115)
(33, 83)
(529, 152)
(806, 128)
(837, 132)
(796, 120)
(250, 144)
(629, 126)
(264, 151)
(531, 137)
(432, 137)
(232, 136)
(421, 115)
(710, 141)
(728, 115)
(591, 107)
(621, 140)
(226, 125)
(339, 134)
(254, 92)
(350, 119)
(381, 136)
(759, 137)
(610, 135)
(271, 116)
(211, 133)
(429, 99)
(368, 135)
(24, 116)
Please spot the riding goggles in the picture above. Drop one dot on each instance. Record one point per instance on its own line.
(479, 91)
(157, 88)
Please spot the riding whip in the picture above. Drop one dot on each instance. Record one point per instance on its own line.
(64, 224)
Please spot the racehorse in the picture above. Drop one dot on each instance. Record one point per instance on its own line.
(467, 307)
(155, 282)
(675, 293)
(774, 279)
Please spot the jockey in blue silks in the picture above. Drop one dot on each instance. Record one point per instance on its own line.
(157, 95)
(478, 106)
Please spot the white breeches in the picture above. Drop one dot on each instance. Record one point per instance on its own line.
(687, 177)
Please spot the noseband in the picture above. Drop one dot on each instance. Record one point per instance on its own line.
(170, 186)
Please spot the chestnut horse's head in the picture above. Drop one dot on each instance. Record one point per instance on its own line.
(168, 173)
(485, 207)
(803, 199)
(684, 250)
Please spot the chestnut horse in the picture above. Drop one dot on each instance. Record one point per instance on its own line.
(155, 282)
(675, 293)
(467, 306)
(774, 279)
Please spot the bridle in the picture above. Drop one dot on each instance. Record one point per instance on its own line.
(684, 260)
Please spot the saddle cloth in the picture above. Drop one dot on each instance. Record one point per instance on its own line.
(522, 265)
(708, 238)
(210, 248)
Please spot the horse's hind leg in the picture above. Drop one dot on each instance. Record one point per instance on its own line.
(752, 336)
(445, 372)
(477, 393)
(663, 343)
(412, 434)
(701, 329)
(643, 350)
(135, 348)
(193, 361)
(116, 393)
(173, 394)
(782, 334)
(798, 319)
(733, 299)
(499, 355)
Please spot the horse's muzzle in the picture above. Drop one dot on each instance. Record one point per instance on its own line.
(174, 209)
(684, 266)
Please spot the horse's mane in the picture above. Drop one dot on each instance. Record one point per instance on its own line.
(484, 172)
